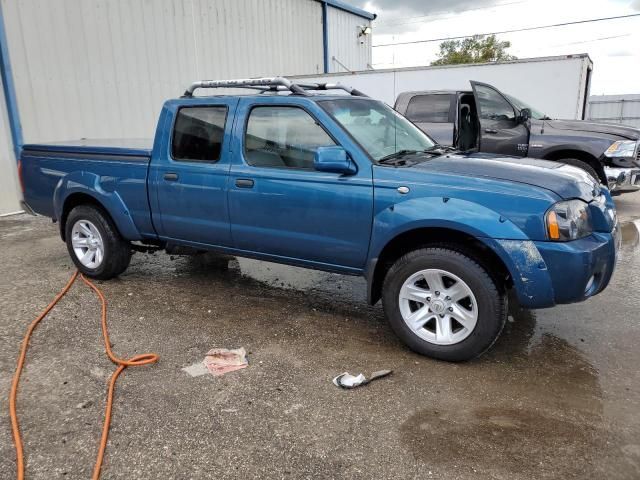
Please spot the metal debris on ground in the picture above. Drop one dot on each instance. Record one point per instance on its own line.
(348, 381)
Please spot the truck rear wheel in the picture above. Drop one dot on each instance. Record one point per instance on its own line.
(94, 243)
(574, 162)
(443, 304)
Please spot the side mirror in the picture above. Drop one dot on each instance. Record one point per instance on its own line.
(333, 160)
(525, 115)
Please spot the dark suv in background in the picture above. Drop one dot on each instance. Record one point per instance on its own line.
(487, 120)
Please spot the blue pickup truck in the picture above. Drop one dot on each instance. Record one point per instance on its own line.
(301, 175)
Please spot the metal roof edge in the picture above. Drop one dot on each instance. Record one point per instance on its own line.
(349, 8)
(435, 67)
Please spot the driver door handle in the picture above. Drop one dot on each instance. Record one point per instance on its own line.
(490, 130)
(244, 183)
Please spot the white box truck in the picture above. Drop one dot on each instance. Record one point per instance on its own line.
(558, 86)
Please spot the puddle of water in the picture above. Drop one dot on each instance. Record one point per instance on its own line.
(545, 402)
(324, 290)
(486, 436)
(343, 288)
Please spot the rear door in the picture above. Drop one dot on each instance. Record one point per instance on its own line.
(191, 173)
(434, 114)
(279, 205)
(501, 131)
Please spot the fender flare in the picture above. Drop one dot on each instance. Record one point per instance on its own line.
(91, 185)
(517, 252)
(442, 212)
(590, 147)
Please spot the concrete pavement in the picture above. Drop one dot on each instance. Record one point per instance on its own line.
(557, 397)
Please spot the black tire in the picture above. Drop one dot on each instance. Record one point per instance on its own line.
(574, 162)
(491, 301)
(117, 251)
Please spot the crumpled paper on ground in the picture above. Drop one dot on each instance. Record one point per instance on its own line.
(222, 360)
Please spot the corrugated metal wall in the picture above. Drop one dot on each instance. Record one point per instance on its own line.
(345, 45)
(8, 177)
(624, 109)
(102, 68)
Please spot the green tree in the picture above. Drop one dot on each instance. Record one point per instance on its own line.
(476, 49)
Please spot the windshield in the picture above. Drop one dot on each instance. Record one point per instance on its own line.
(519, 104)
(379, 129)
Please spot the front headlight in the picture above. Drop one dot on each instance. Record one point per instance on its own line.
(622, 149)
(569, 220)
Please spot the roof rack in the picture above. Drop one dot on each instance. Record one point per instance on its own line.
(320, 86)
(270, 84)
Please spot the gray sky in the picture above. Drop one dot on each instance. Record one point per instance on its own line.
(614, 46)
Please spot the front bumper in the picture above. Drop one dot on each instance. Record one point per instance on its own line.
(623, 179)
(551, 273)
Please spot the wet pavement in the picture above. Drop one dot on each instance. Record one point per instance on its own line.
(557, 397)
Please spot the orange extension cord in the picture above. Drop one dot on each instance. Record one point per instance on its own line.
(138, 360)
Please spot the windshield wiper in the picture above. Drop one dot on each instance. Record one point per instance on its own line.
(441, 148)
(397, 156)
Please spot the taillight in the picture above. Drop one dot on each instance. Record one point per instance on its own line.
(20, 178)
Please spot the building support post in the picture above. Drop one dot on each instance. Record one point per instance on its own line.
(9, 90)
(325, 36)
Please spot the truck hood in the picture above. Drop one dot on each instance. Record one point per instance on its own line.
(563, 180)
(629, 133)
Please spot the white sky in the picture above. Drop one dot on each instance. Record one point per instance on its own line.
(614, 46)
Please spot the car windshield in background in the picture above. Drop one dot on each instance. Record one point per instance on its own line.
(519, 104)
(379, 129)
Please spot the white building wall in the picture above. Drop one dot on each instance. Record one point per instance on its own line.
(623, 109)
(9, 190)
(345, 46)
(102, 68)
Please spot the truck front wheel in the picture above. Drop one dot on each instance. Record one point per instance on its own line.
(95, 245)
(443, 304)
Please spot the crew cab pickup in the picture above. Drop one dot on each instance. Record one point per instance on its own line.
(341, 183)
(487, 120)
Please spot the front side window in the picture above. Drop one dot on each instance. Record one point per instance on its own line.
(536, 114)
(198, 134)
(493, 106)
(284, 137)
(429, 108)
(379, 129)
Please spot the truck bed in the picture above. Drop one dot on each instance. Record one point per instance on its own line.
(116, 167)
(112, 146)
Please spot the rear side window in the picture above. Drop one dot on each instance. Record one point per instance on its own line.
(429, 108)
(283, 137)
(198, 134)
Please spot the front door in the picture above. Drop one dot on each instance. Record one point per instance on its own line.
(280, 206)
(191, 174)
(501, 130)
